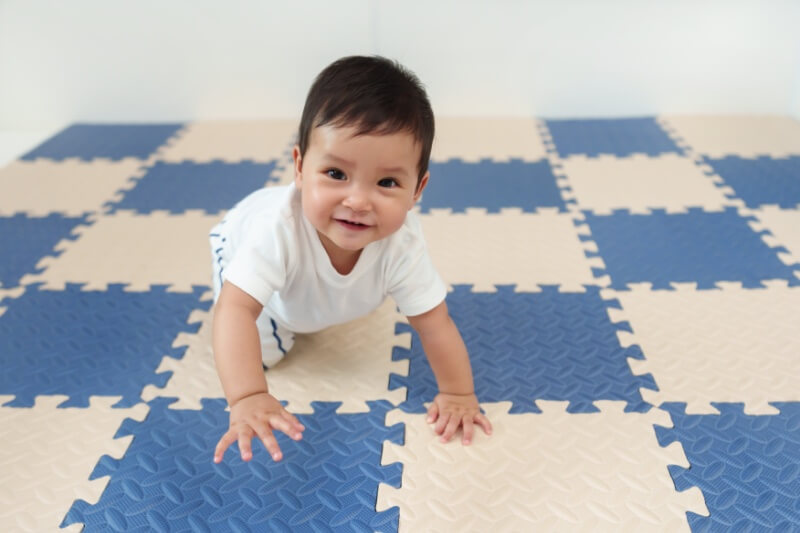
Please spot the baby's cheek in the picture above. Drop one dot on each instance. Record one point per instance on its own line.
(397, 221)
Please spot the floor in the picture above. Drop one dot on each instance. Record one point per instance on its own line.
(628, 289)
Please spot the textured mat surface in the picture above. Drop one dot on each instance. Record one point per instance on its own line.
(628, 290)
(499, 483)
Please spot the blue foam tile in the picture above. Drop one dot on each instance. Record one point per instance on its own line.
(697, 246)
(211, 187)
(761, 181)
(167, 481)
(25, 240)
(111, 141)
(458, 185)
(105, 343)
(748, 467)
(620, 137)
(533, 346)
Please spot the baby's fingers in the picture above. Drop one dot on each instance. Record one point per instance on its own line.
(283, 424)
(293, 419)
(441, 423)
(244, 444)
(452, 427)
(226, 440)
(483, 422)
(295, 428)
(266, 436)
(468, 431)
(433, 412)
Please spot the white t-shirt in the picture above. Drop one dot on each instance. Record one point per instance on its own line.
(273, 253)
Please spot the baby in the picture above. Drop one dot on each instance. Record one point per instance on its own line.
(331, 246)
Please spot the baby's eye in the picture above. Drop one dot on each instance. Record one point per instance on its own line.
(335, 174)
(388, 183)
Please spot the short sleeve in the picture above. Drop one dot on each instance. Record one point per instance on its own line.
(259, 264)
(414, 283)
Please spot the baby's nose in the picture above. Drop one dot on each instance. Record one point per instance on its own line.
(357, 201)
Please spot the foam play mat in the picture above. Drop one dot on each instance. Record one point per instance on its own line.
(628, 290)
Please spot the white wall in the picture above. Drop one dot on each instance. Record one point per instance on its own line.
(156, 60)
(795, 106)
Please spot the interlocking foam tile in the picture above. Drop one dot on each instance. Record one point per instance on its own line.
(7, 295)
(111, 141)
(783, 226)
(483, 249)
(25, 241)
(210, 187)
(84, 343)
(139, 250)
(527, 212)
(355, 357)
(745, 465)
(553, 471)
(763, 180)
(724, 345)
(639, 183)
(231, 141)
(620, 137)
(473, 139)
(167, 480)
(69, 187)
(284, 172)
(699, 247)
(46, 466)
(743, 136)
(528, 346)
(458, 185)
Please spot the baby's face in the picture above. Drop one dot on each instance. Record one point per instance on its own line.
(357, 189)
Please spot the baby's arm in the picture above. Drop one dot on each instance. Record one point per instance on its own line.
(237, 353)
(456, 403)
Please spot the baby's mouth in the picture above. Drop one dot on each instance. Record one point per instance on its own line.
(351, 223)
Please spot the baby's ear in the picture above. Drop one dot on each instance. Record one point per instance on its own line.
(298, 165)
(423, 182)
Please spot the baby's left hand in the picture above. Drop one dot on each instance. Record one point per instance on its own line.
(450, 411)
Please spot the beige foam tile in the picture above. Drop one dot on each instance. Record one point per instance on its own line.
(48, 455)
(552, 471)
(350, 363)
(140, 250)
(728, 345)
(784, 226)
(194, 375)
(500, 139)
(231, 141)
(70, 187)
(742, 135)
(527, 249)
(639, 183)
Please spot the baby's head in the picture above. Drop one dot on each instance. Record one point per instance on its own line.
(373, 95)
(361, 160)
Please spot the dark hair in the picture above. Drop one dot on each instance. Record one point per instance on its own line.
(373, 93)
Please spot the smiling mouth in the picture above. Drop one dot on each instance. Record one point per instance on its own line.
(351, 224)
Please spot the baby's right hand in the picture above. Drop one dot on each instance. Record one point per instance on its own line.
(258, 414)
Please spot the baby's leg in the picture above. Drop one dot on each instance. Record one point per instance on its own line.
(276, 340)
(218, 258)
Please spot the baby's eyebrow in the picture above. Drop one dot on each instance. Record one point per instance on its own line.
(336, 159)
(339, 161)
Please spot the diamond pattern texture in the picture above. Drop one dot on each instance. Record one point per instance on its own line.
(628, 290)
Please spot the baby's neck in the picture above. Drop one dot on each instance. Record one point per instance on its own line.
(345, 265)
(343, 261)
